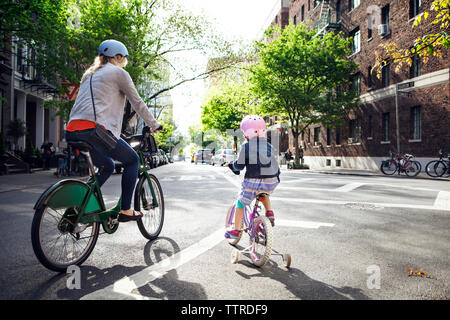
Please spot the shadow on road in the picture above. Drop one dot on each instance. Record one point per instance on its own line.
(93, 279)
(300, 285)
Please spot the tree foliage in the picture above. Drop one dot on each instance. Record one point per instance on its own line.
(302, 77)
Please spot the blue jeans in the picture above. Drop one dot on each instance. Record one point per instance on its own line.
(103, 160)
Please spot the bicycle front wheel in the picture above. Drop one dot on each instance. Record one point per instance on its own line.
(431, 167)
(58, 242)
(262, 243)
(149, 200)
(388, 167)
(413, 169)
(440, 168)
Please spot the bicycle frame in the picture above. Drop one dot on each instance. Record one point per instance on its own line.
(87, 198)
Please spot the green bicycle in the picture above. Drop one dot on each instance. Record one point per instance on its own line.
(68, 214)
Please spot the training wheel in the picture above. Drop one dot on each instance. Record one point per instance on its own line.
(287, 260)
(234, 256)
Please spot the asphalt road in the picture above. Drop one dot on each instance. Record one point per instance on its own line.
(350, 237)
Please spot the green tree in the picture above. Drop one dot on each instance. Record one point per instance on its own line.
(226, 104)
(16, 130)
(302, 77)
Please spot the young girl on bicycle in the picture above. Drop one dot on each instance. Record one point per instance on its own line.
(262, 170)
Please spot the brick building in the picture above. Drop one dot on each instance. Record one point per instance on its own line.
(370, 131)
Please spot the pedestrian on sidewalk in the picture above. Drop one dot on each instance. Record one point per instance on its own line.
(105, 86)
(47, 153)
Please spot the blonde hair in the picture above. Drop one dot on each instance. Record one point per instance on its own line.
(100, 61)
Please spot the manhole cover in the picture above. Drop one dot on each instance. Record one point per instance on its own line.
(362, 206)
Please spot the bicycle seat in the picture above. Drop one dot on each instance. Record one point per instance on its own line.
(80, 145)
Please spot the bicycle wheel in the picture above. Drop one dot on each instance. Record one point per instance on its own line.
(229, 224)
(431, 166)
(440, 168)
(151, 223)
(388, 167)
(413, 168)
(55, 241)
(262, 244)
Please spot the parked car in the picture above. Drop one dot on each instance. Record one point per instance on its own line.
(223, 156)
(179, 157)
(203, 156)
(169, 157)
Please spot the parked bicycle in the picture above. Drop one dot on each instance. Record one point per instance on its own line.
(437, 168)
(260, 232)
(401, 163)
(68, 215)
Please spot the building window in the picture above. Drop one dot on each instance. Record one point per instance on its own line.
(414, 8)
(356, 83)
(355, 131)
(370, 127)
(416, 119)
(316, 136)
(385, 126)
(328, 137)
(369, 77)
(369, 26)
(385, 74)
(356, 43)
(309, 5)
(385, 15)
(303, 12)
(295, 20)
(416, 66)
(352, 4)
(338, 11)
(338, 136)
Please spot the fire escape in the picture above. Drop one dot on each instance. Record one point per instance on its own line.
(329, 18)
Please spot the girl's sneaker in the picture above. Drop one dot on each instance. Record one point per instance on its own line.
(232, 234)
(269, 214)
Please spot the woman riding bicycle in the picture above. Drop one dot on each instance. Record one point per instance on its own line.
(107, 89)
(262, 170)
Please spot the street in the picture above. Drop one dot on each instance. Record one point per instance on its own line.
(350, 237)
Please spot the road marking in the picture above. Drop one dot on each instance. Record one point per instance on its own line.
(302, 224)
(125, 286)
(346, 202)
(349, 187)
(442, 201)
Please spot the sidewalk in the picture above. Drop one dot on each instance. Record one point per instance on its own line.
(357, 172)
(20, 181)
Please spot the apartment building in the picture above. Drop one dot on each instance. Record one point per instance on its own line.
(23, 92)
(407, 109)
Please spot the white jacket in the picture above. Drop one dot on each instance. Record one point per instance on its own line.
(111, 85)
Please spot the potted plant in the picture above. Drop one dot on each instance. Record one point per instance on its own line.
(16, 130)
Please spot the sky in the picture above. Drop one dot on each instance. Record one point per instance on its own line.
(241, 19)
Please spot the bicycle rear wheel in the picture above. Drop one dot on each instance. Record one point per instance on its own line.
(151, 207)
(55, 240)
(262, 244)
(388, 167)
(413, 169)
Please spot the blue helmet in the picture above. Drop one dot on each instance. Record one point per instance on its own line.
(110, 48)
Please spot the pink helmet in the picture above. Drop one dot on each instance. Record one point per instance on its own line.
(253, 126)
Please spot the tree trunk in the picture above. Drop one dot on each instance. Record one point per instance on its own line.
(295, 134)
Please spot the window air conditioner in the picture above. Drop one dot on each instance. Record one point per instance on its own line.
(383, 29)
